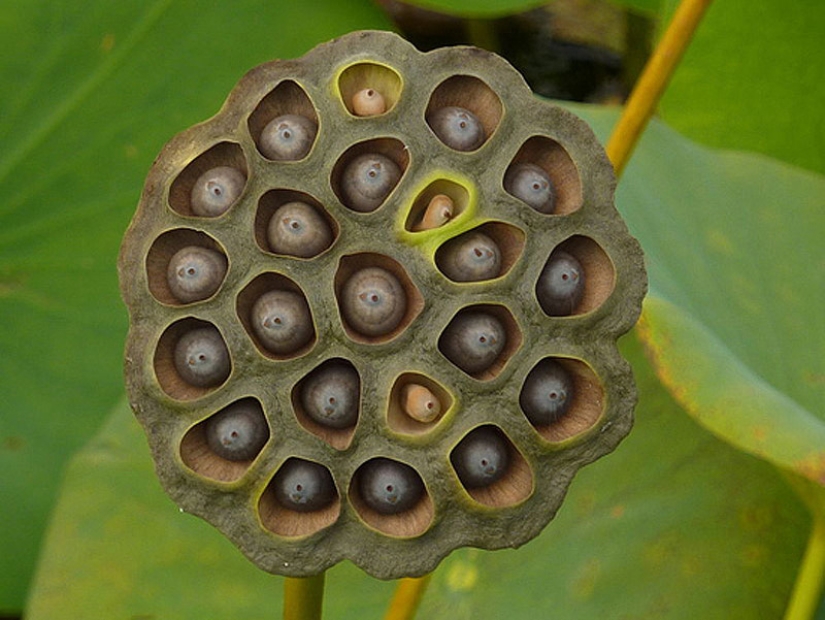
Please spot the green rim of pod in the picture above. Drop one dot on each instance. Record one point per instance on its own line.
(240, 497)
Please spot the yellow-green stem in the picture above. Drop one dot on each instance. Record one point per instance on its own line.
(651, 84)
(304, 597)
(807, 590)
(407, 598)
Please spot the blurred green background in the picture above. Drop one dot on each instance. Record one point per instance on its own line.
(679, 522)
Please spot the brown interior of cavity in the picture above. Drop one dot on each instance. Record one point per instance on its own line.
(470, 93)
(338, 438)
(512, 331)
(265, 283)
(398, 420)
(407, 524)
(369, 75)
(513, 487)
(198, 456)
(585, 409)
(286, 98)
(388, 147)
(557, 163)
(272, 201)
(458, 194)
(290, 523)
(222, 154)
(164, 361)
(162, 251)
(355, 262)
(599, 273)
(508, 238)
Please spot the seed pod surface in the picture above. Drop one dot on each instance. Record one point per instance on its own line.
(379, 330)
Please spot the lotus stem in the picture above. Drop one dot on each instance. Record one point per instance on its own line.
(304, 597)
(407, 598)
(652, 83)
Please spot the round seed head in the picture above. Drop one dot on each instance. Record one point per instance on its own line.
(389, 487)
(373, 302)
(216, 190)
(481, 458)
(288, 137)
(331, 395)
(296, 229)
(439, 211)
(546, 393)
(457, 127)
(532, 185)
(303, 486)
(368, 180)
(201, 357)
(368, 102)
(238, 432)
(195, 273)
(561, 284)
(473, 340)
(470, 258)
(282, 321)
(420, 403)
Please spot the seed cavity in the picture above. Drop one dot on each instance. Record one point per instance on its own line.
(216, 190)
(288, 137)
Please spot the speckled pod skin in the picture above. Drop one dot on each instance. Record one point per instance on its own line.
(237, 497)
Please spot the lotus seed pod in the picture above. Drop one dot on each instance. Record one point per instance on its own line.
(288, 137)
(331, 395)
(420, 403)
(481, 458)
(532, 185)
(403, 382)
(440, 210)
(201, 357)
(547, 393)
(195, 273)
(368, 180)
(216, 190)
(373, 302)
(282, 321)
(304, 486)
(473, 341)
(457, 127)
(238, 432)
(389, 487)
(470, 258)
(561, 284)
(368, 102)
(296, 229)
